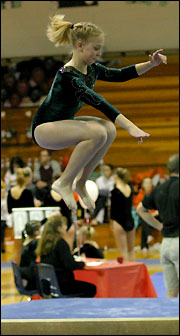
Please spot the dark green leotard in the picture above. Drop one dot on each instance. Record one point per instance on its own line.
(71, 88)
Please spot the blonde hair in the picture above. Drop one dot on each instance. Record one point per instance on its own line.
(64, 32)
(50, 235)
(123, 174)
(3, 185)
(88, 231)
(21, 174)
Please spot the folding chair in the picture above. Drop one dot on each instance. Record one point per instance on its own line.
(19, 284)
(48, 284)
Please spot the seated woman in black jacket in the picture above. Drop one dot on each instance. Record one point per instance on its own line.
(54, 250)
(87, 246)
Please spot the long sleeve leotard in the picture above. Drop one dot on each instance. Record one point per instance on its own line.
(71, 88)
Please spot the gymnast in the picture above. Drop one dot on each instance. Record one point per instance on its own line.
(55, 126)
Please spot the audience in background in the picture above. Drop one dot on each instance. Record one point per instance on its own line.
(165, 199)
(44, 174)
(19, 196)
(105, 184)
(53, 249)
(27, 82)
(10, 175)
(121, 217)
(28, 255)
(5, 217)
(146, 236)
(86, 246)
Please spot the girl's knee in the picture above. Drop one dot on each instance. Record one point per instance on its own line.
(110, 129)
(99, 134)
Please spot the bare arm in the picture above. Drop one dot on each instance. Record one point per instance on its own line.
(148, 218)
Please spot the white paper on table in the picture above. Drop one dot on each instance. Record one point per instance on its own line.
(94, 263)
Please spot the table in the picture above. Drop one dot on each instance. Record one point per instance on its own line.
(112, 279)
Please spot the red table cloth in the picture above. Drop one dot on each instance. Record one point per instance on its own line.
(112, 279)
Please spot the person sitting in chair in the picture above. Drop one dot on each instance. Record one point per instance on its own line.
(53, 249)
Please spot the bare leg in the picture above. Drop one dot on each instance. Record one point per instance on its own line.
(130, 242)
(92, 164)
(88, 137)
(121, 239)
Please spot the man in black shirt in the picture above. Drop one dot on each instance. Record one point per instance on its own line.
(165, 199)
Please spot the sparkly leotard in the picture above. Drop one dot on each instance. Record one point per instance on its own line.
(71, 88)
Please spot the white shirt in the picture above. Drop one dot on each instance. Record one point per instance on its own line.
(105, 185)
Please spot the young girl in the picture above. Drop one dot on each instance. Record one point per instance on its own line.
(55, 126)
(121, 218)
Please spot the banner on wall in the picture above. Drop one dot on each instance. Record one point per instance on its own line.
(77, 3)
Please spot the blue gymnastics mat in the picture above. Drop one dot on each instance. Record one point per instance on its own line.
(158, 282)
(92, 308)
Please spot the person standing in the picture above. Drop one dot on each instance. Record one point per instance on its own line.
(165, 198)
(105, 184)
(122, 222)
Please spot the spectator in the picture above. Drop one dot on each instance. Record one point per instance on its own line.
(105, 184)
(28, 256)
(53, 249)
(88, 247)
(44, 173)
(121, 218)
(23, 92)
(37, 76)
(146, 237)
(165, 198)
(5, 217)
(10, 176)
(14, 100)
(19, 196)
(9, 83)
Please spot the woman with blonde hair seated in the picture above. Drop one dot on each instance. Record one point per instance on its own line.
(53, 249)
(88, 247)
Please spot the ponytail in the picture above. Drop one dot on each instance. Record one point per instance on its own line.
(65, 32)
(58, 31)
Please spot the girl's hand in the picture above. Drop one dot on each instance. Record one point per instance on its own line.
(138, 133)
(156, 58)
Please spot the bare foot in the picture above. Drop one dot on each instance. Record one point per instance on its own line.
(150, 239)
(65, 190)
(145, 252)
(81, 190)
(94, 222)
